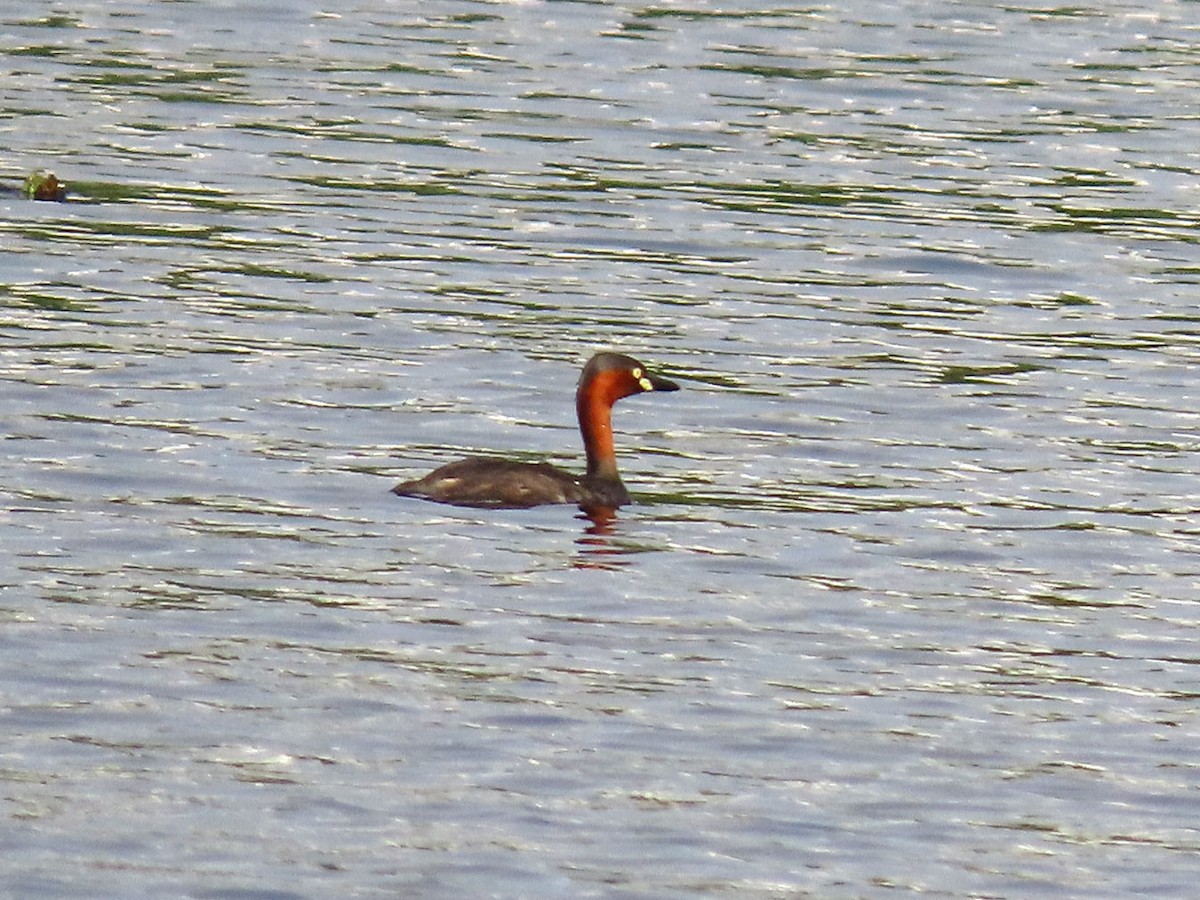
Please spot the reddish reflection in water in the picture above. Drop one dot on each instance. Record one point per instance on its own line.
(597, 550)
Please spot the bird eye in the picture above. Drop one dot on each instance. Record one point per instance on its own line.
(636, 373)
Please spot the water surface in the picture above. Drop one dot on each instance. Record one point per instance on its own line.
(906, 604)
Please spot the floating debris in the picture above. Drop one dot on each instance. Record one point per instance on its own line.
(43, 185)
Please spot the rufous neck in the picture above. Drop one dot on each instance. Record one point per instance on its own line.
(595, 424)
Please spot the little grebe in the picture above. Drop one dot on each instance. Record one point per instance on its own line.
(502, 484)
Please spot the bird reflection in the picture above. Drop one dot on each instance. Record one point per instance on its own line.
(596, 548)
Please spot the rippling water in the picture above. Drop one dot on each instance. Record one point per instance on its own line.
(906, 603)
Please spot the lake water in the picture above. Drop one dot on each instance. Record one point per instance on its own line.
(908, 603)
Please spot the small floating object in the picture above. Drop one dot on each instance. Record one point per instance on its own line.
(42, 185)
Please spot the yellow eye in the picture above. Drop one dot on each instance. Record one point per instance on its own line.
(636, 373)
